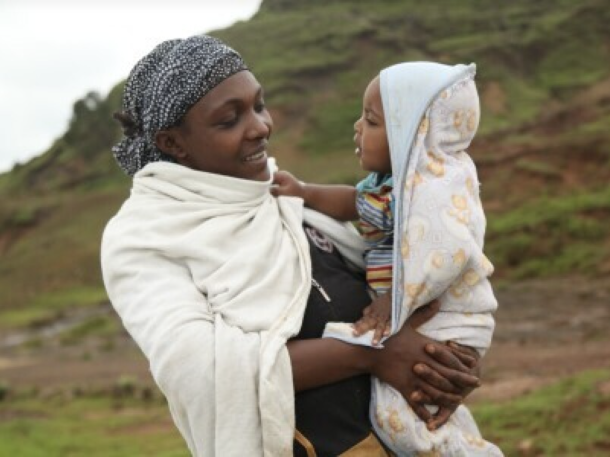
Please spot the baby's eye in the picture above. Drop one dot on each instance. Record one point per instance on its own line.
(260, 107)
(370, 121)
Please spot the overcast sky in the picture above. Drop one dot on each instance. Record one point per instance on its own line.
(53, 52)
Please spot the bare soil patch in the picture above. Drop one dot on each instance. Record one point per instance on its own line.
(546, 330)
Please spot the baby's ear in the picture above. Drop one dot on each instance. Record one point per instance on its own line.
(169, 142)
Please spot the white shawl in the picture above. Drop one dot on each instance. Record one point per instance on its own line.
(210, 275)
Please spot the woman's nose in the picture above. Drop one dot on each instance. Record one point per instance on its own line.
(261, 126)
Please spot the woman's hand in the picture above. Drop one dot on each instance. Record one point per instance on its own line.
(439, 374)
(470, 358)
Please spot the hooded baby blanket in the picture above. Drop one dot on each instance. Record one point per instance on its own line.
(431, 114)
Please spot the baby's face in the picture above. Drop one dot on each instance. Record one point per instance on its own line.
(371, 140)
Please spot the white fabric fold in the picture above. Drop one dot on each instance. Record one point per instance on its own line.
(210, 275)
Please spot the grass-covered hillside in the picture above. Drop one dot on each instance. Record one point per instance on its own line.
(543, 149)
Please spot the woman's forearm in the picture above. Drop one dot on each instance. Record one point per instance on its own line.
(321, 361)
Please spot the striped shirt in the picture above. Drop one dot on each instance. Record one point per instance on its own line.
(375, 205)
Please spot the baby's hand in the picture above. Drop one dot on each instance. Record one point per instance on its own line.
(285, 183)
(376, 316)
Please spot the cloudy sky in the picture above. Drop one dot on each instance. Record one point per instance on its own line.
(53, 52)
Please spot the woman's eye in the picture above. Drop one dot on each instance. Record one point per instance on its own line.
(228, 122)
(370, 122)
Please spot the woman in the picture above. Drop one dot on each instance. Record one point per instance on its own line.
(213, 277)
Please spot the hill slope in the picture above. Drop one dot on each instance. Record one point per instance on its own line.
(543, 150)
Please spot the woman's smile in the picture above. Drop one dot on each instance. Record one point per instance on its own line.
(259, 155)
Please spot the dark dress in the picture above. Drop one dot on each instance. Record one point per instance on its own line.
(335, 417)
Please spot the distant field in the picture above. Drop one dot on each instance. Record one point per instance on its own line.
(86, 389)
(94, 427)
(569, 418)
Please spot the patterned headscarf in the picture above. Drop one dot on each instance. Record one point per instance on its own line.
(162, 87)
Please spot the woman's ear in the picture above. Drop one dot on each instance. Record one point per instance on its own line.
(169, 142)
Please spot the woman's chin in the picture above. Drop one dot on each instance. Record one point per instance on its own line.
(265, 175)
(257, 169)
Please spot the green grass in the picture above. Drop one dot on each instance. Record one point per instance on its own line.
(103, 427)
(525, 102)
(68, 222)
(99, 326)
(552, 235)
(332, 130)
(570, 418)
(537, 167)
(48, 306)
(552, 210)
(65, 299)
(52, 266)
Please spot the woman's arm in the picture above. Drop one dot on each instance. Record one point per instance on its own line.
(336, 201)
(171, 322)
(320, 361)
(441, 377)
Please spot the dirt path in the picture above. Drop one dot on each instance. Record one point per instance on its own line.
(545, 330)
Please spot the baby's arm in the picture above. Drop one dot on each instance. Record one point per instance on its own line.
(336, 201)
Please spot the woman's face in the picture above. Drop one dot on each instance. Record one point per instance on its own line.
(371, 140)
(226, 132)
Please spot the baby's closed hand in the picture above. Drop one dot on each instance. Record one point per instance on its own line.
(377, 316)
(285, 183)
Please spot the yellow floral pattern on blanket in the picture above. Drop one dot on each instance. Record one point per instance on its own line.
(442, 258)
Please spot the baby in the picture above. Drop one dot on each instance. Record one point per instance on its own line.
(420, 214)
